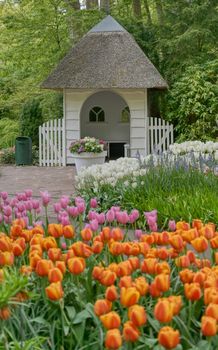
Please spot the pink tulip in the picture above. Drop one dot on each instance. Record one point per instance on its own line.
(35, 203)
(65, 220)
(28, 205)
(110, 216)
(101, 218)
(4, 195)
(64, 245)
(115, 209)
(94, 225)
(20, 207)
(21, 196)
(138, 234)
(37, 223)
(28, 193)
(73, 211)
(64, 201)
(79, 200)
(7, 219)
(46, 198)
(93, 203)
(122, 217)
(18, 215)
(57, 207)
(172, 225)
(81, 207)
(92, 215)
(13, 202)
(7, 211)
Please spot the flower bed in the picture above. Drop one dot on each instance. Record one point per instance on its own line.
(84, 287)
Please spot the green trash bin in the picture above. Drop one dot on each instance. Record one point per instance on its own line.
(23, 150)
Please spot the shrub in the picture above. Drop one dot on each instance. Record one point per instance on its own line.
(7, 156)
(8, 132)
(30, 120)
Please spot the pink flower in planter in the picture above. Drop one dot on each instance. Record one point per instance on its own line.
(4, 195)
(110, 216)
(73, 211)
(93, 203)
(28, 193)
(7, 210)
(46, 198)
(101, 218)
(172, 225)
(94, 225)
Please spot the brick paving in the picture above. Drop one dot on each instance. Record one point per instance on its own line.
(57, 180)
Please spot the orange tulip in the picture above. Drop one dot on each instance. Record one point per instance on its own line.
(144, 247)
(49, 242)
(135, 263)
(125, 281)
(182, 225)
(163, 253)
(186, 276)
(162, 282)
(149, 265)
(43, 266)
(107, 278)
(111, 293)
(168, 337)
(196, 223)
(124, 268)
(102, 306)
(192, 291)
(162, 267)
(200, 244)
(113, 339)
(116, 248)
(129, 296)
(61, 266)
(214, 242)
(54, 254)
(54, 291)
(97, 272)
(17, 249)
(208, 326)
(97, 247)
(141, 285)
(5, 313)
(5, 244)
(127, 247)
(81, 249)
(36, 240)
(130, 332)
(55, 275)
(113, 267)
(105, 234)
(182, 261)
(163, 310)
(16, 230)
(210, 296)
(135, 249)
(6, 258)
(76, 265)
(116, 234)
(86, 234)
(33, 259)
(176, 242)
(154, 291)
(27, 235)
(212, 311)
(38, 230)
(189, 235)
(200, 277)
(111, 320)
(26, 270)
(68, 231)
(207, 231)
(137, 315)
(55, 230)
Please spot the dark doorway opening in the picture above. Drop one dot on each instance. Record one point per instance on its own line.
(116, 150)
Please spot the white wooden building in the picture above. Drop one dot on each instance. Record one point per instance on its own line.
(105, 81)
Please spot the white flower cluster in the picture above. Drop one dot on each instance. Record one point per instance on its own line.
(194, 146)
(109, 173)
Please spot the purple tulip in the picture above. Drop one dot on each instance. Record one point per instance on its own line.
(172, 225)
(93, 203)
(110, 216)
(46, 198)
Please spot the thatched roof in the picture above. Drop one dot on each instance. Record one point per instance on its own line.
(106, 57)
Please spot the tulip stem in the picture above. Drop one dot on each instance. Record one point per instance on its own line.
(189, 313)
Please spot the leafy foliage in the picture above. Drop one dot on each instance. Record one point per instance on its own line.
(8, 132)
(31, 119)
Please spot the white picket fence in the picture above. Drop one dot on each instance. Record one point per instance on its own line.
(160, 135)
(52, 148)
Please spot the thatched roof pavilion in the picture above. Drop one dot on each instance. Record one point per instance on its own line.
(105, 80)
(106, 57)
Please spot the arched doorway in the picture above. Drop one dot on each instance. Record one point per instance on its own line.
(106, 115)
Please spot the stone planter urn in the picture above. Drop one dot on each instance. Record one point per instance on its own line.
(86, 159)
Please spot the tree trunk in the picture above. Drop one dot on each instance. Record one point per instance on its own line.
(159, 10)
(136, 5)
(75, 4)
(148, 12)
(91, 4)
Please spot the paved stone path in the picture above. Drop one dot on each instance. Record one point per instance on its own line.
(57, 180)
